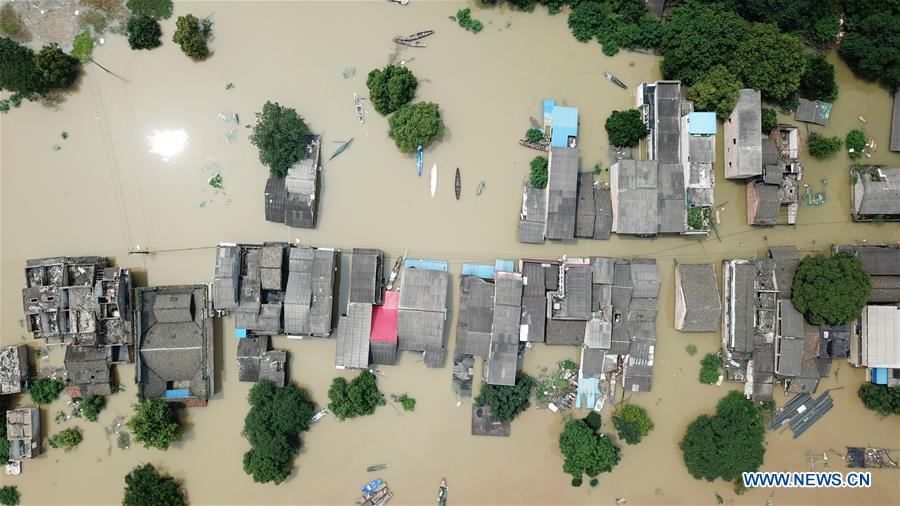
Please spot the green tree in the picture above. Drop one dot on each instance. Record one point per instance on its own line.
(716, 90)
(633, 423)
(145, 486)
(586, 452)
(83, 47)
(769, 120)
(586, 20)
(358, 397)
(464, 19)
(881, 398)
(408, 403)
(144, 32)
(726, 444)
(697, 37)
(830, 290)
(66, 439)
(823, 147)
(818, 81)
(156, 9)
(625, 128)
(154, 424)
(856, 143)
(9, 495)
(538, 177)
(91, 406)
(709, 369)
(769, 61)
(273, 425)
(277, 135)
(815, 20)
(506, 402)
(415, 124)
(18, 73)
(192, 35)
(534, 135)
(391, 87)
(871, 46)
(58, 69)
(46, 390)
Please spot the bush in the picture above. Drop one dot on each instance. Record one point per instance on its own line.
(359, 397)
(277, 417)
(594, 482)
(154, 424)
(11, 24)
(691, 350)
(506, 402)
(156, 9)
(91, 406)
(415, 124)
(144, 32)
(538, 177)
(66, 439)
(145, 486)
(83, 47)
(576, 482)
(716, 90)
(277, 135)
(46, 390)
(57, 69)
(633, 423)
(585, 452)
(818, 82)
(192, 35)
(881, 398)
(823, 147)
(769, 61)
(856, 143)
(391, 87)
(9, 495)
(830, 290)
(696, 218)
(18, 73)
(709, 369)
(625, 128)
(726, 444)
(409, 403)
(465, 20)
(534, 135)
(769, 120)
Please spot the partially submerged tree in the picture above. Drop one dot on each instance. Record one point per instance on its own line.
(46, 390)
(415, 124)
(91, 406)
(633, 423)
(538, 176)
(818, 81)
(66, 439)
(856, 143)
(769, 120)
(710, 368)
(145, 486)
(154, 424)
(83, 47)
(830, 290)
(58, 69)
(18, 73)
(823, 147)
(506, 402)
(586, 452)
(716, 90)
(358, 397)
(9, 495)
(277, 135)
(769, 61)
(534, 135)
(391, 88)
(192, 35)
(881, 398)
(625, 128)
(871, 45)
(144, 32)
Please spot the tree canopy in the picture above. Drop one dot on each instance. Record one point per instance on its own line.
(818, 82)
(830, 290)
(192, 35)
(415, 124)
(709, 369)
(391, 87)
(46, 390)
(769, 120)
(156, 9)
(534, 135)
(871, 46)
(717, 91)
(277, 135)
(856, 143)
(616, 24)
(9, 495)
(633, 423)
(726, 444)
(769, 61)
(154, 424)
(625, 128)
(822, 147)
(18, 73)
(277, 417)
(586, 452)
(144, 32)
(91, 406)
(145, 486)
(538, 176)
(358, 397)
(881, 398)
(67, 439)
(506, 402)
(815, 20)
(83, 47)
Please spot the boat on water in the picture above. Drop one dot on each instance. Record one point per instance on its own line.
(419, 35)
(540, 146)
(615, 80)
(399, 2)
(442, 492)
(433, 179)
(341, 149)
(359, 109)
(458, 185)
(419, 159)
(395, 271)
(480, 188)
(318, 416)
(370, 487)
(375, 493)
(410, 43)
(378, 467)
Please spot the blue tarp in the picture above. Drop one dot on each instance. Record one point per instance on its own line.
(879, 375)
(702, 123)
(240, 333)
(564, 125)
(421, 263)
(178, 394)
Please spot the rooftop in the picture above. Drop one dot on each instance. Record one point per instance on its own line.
(698, 308)
(883, 327)
(293, 200)
(564, 125)
(873, 196)
(562, 184)
(743, 138)
(701, 123)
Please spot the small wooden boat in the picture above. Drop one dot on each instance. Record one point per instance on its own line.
(399, 2)
(433, 179)
(359, 109)
(419, 159)
(418, 35)
(442, 492)
(341, 149)
(615, 80)
(395, 271)
(378, 467)
(458, 187)
(410, 43)
(318, 416)
(480, 188)
(540, 146)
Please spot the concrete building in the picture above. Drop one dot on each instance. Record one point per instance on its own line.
(660, 105)
(14, 377)
(422, 312)
(875, 195)
(293, 200)
(743, 138)
(23, 431)
(697, 304)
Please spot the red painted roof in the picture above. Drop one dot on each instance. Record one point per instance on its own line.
(384, 319)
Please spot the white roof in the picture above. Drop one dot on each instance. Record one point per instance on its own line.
(883, 346)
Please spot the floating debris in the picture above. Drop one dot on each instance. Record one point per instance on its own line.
(359, 109)
(813, 199)
(64, 135)
(56, 147)
(349, 72)
(202, 204)
(229, 86)
(216, 181)
(60, 417)
(230, 117)
(378, 467)
(123, 441)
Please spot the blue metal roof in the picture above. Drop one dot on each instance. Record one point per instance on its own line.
(504, 265)
(481, 270)
(879, 375)
(564, 125)
(177, 394)
(702, 123)
(240, 333)
(549, 105)
(421, 263)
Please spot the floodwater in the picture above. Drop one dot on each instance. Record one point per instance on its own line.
(103, 192)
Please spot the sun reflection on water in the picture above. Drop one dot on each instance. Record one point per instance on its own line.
(168, 143)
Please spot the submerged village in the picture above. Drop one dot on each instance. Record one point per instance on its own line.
(495, 252)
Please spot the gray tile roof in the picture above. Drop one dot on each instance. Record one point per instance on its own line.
(667, 130)
(763, 203)
(813, 111)
(352, 350)
(770, 159)
(634, 195)
(763, 372)
(585, 212)
(270, 263)
(788, 356)
(256, 362)
(383, 353)
(422, 312)
(365, 275)
(500, 366)
(562, 183)
(293, 200)
(697, 304)
(645, 278)
(565, 332)
(791, 321)
(532, 224)
(321, 309)
(603, 213)
(871, 198)
(592, 362)
(876, 260)
(743, 301)
(743, 138)
(671, 205)
(275, 197)
(87, 370)
(786, 261)
(475, 316)
(602, 270)
(575, 302)
(227, 276)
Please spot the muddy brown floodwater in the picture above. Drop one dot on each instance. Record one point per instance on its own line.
(103, 192)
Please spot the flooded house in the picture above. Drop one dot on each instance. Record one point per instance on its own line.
(698, 154)
(648, 198)
(697, 304)
(743, 137)
(502, 360)
(422, 311)
(882, 263)
(174, 359)
(660, 106)
(593, 210)
(257, 362)
(354, 332)
(14, 369)
(87, 371)
(293, 199)
(385, 324)
(23, 431)
(276, 288)
(560, 124)
(875, 193)
(875, 346)
(813, 111)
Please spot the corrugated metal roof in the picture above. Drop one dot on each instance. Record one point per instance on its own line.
(564, 123)
(562, 184)
(702, 123)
